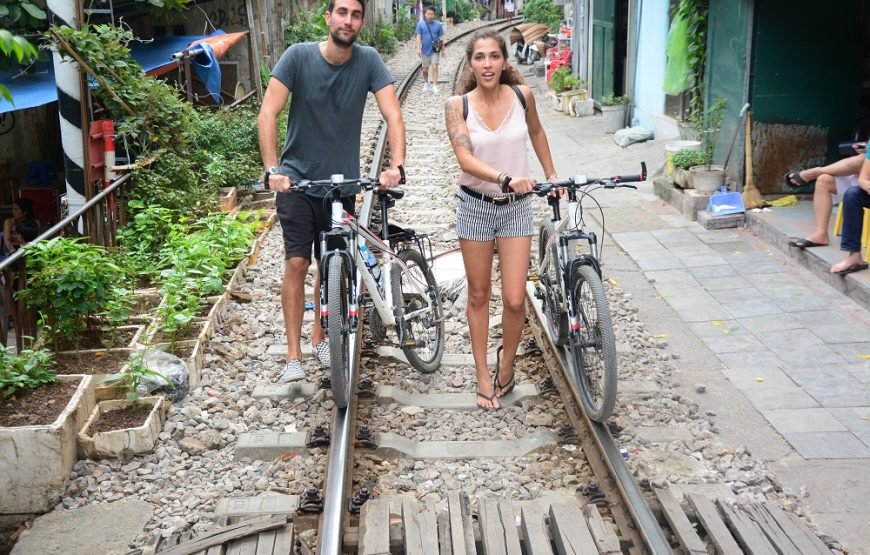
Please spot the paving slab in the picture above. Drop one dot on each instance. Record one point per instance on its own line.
(523, 392)
(266, 446)
(109, 529)
(393, 445)
(284, 391)
(268, 504)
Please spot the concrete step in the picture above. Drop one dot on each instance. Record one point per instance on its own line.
(284, 391)
(452, 401)
(392, 445)
(269, 504)
(267, 446)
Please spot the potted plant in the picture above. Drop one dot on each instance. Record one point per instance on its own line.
(567, 86)
(707, 177)
(682, 160)
(40, 415)
(613, 110)
(127, 426)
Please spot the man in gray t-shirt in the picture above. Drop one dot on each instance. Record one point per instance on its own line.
(329, 82)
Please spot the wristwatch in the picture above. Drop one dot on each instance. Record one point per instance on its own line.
(272, 170)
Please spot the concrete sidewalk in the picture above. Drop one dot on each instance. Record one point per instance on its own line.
(784, 356)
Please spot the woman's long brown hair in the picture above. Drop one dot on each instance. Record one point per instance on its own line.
(509, 76)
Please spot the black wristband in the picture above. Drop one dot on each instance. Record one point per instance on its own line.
(266, 180)
(401, 169)
(504, 183)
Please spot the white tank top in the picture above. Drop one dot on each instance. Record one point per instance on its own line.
(504, 149)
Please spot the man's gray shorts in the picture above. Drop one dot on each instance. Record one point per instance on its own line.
(431, 60)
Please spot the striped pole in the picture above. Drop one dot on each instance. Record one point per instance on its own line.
(71, 88)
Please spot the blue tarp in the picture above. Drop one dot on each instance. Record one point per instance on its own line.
(38, 88)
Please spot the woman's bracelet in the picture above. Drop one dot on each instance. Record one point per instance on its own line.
(499, 178)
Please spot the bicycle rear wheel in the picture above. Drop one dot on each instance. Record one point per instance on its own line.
(424, 322)
(557, 322)
(593, 347)
(337, 330)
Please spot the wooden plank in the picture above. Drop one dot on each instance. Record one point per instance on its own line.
(511, 530)
(421, 529)
(216, 550)
(779, 540)
(284, 537)
(716, 529)
(491, 528)
(602, 532)
(445, 544)
(374, 533)
(228, 533)
(265, 542)
(679, 523)
(802, 526)
(461, 531)
(535, 531)
(569, 530)
(746, 532)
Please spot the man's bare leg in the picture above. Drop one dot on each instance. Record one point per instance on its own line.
(293, 303)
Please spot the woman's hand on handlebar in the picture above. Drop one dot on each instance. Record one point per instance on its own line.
(279, 183)
(521, 185)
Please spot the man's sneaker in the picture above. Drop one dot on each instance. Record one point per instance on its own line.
(434, 88)
(425, 86)
(294, 370)
(321, 350)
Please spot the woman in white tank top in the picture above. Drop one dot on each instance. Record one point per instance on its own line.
(488, 127)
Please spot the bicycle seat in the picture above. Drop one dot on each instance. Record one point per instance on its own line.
(397, 233)
(393, 193)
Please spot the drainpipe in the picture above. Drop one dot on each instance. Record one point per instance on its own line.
(71, 90)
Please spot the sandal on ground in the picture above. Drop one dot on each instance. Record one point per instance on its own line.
(852, 269)
(793, 180)
(805, 243)
(508, 386)
(491, 398)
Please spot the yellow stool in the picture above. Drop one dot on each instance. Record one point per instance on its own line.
(865, 227)
(838, 222)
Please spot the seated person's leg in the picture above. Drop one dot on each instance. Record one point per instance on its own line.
(854, 202)
(846, 166)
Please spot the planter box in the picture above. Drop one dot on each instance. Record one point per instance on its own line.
(36, 460)
(237, 275)
(683, 178)
(227, 198)
(128, 441)
(614, 117)
(707, 179)
(567, 97)
(265, 228)
(193, 360)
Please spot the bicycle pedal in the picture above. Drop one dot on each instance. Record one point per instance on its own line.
(410, 344)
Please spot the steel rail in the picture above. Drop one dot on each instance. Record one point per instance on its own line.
(339, 473)
(629, 508)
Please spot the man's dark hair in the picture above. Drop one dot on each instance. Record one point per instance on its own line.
(331, 5)
(431, 8)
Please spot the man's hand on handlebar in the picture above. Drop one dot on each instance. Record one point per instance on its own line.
(279, 183)
(389, 178)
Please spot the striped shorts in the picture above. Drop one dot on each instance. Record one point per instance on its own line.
(478, 220)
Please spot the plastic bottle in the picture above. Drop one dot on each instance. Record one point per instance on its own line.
(371, 262)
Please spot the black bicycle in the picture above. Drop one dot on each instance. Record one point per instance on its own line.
(401, 286)
(571, 292)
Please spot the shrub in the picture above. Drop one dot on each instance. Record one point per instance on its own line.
(613, 100)
(707, 124)
(563, 80)
(543, 11)
(685, 158)
(465, 11)
(381, 37)
(30, 369)
(306, 27)
(72, 282)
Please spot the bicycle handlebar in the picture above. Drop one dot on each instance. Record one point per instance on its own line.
(580, 181)
(336, 180)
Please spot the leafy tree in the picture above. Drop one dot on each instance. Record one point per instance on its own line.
(695, 12)
(18, 19)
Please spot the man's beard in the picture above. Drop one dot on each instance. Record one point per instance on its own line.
(339, 40)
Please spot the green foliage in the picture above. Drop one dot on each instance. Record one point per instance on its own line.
(563, 80)
(612, 100)
(136, 373)
(695, 12)
(381, 37)
(152, 114)
(144, 237)
(405, 25)
(157, 7)
(307, 27)
(27, 370)
(685, 158)
(543, 11)
(465, 11)
(173, 180)
(229, 146)
(17, 18)
(707, 125)
(70, 283)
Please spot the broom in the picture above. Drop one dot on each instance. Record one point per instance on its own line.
(751, 195)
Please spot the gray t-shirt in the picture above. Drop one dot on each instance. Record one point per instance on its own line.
(326, 109)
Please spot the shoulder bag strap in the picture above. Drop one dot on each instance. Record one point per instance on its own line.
(520, 95)
(465, 106)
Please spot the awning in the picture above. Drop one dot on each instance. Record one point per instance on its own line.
(528, 32)
(38, 88)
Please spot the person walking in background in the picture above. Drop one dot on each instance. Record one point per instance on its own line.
(831, 181)
(430, 47)
(330, 81)
(488, 126)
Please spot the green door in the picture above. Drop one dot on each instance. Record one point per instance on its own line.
(603, 41)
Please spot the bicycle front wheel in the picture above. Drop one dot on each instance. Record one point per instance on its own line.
(593, 346)
(337, 330)
(417, 300)
(556, 320)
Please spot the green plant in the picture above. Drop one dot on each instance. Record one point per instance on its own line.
(543, 11)
(404, 24)
(707, 124)
(695, 13)
(307, 27)
(464, 10)
(17, 19)
(135, 374)
(563, 80)
(71, 282)
(381, 37)
(685, 158)
(612, 100)
(29, 369)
